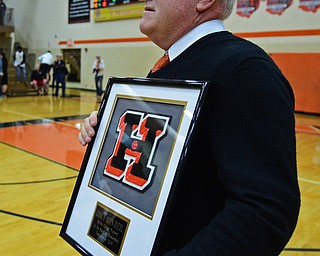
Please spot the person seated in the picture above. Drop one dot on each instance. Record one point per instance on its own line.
(39, 81)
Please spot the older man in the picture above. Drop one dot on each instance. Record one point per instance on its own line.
(238, 194)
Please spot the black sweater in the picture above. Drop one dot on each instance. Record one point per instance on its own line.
(238, 194)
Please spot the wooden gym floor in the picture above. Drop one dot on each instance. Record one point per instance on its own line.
(40, 158)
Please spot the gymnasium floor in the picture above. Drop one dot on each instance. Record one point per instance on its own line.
(40, 158)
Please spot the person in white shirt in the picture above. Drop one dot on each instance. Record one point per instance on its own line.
(46, 62)
(19, 62)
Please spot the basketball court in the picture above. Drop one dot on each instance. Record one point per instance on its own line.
(41, 157)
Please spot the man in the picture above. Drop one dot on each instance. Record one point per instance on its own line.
(60, 72)
(46, 62)
(238, 193)
(98, 69)
(19, 62)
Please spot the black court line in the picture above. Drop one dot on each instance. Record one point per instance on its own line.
(37, 181)
(31, 218)
(302, 249)
(42, 120)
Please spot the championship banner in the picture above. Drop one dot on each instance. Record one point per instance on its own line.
(309, 5)
(245, 8)
(278, 6)
(132, 166)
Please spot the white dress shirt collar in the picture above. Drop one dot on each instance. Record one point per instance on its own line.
(194, 35)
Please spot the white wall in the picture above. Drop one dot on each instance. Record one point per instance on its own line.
(41, 24)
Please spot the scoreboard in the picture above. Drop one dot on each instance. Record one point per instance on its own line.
(106, 10)
(108, 3)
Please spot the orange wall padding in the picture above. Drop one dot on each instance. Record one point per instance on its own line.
(303, 72)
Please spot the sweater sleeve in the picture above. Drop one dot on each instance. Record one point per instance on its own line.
(252, 139)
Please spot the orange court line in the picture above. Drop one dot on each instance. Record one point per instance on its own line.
(54, 141)
(307, 129)
(58, 142)
(306, 32)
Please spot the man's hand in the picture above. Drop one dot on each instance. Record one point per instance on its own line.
(86, 131)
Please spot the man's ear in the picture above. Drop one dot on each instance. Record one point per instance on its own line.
(203, 5)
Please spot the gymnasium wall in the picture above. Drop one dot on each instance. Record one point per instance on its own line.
(292, 38)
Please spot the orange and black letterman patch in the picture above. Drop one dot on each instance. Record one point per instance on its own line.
(138, 136)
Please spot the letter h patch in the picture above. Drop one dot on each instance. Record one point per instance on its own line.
(131, 160)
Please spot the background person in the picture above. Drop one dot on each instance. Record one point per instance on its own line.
(46, 62)
(4, 81)
(98, 69)
(238, 193)
(19, 62)
(39, 81)
(3, 9)
(1, 76)
(60, 72)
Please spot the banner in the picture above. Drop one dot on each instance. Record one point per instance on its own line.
(79, 11)
(278, 6)
(245, 8)
(309, 5)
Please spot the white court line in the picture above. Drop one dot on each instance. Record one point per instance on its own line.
(22, 114)
(310, 181)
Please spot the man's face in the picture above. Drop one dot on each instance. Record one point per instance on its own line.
(165, 21)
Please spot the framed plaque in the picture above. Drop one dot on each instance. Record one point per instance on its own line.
(132, 165)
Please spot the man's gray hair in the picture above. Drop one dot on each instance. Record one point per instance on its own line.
(227, 7)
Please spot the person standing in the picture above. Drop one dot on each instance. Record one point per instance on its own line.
(60, 72)
(4, 81)
(238, 193)
(19, 62)
(46, 62)
(3, 9)
(1, 76)
(98, 69)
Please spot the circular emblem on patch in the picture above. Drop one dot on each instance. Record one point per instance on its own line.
(134, 145)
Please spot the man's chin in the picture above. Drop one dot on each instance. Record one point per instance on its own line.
(144, 28)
